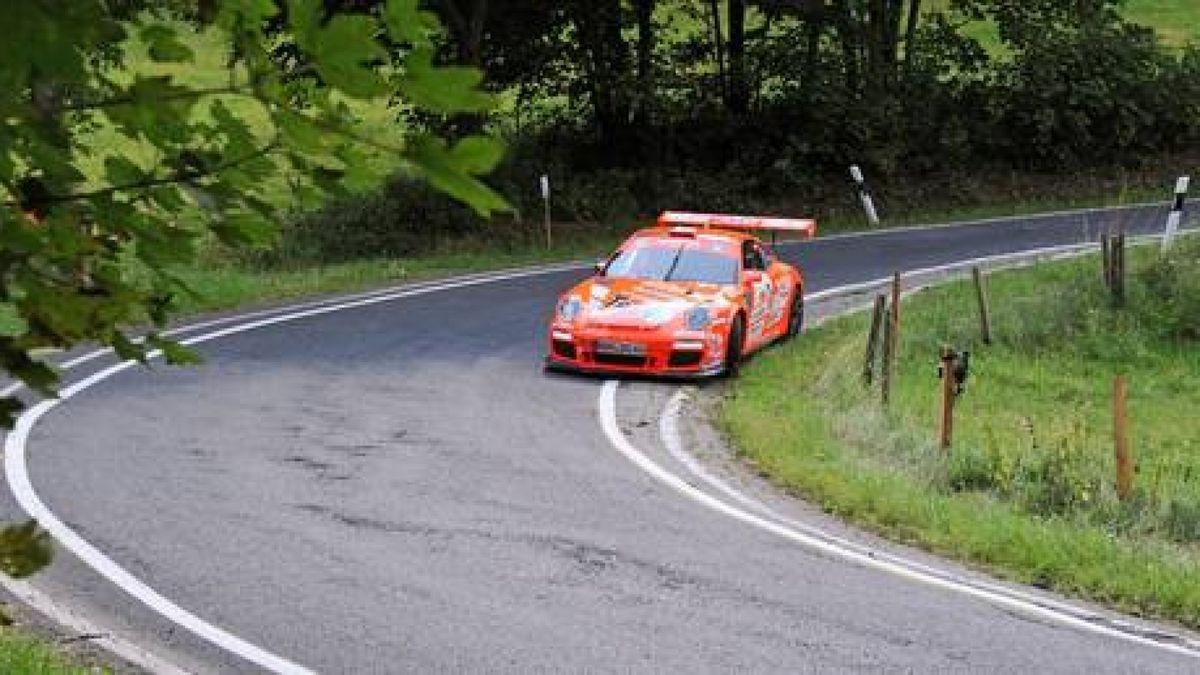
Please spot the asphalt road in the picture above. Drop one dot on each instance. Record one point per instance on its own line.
(400, 488)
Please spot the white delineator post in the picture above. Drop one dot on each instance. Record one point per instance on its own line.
(864, 194)
(1176, 214)
(545, 184)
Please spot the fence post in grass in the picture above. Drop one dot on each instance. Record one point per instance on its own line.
(985, 312)
(1119, 268)
(1106, 259)
(891, 342)
(868, 372)
(949, 361)
(544, 182)
(1124, 456)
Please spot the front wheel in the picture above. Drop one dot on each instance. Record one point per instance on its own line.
(733, 350)
(796, 315)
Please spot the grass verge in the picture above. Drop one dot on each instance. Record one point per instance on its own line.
(21, 654)
(224, 285)
(1027, 489)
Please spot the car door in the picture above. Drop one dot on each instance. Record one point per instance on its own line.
(759, 288)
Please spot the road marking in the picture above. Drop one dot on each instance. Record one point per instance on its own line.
(15, 445)
(1083, 620)
(17, 470)
(981, 221)
(815, 538)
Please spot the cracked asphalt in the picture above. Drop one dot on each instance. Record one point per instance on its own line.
(401, 488)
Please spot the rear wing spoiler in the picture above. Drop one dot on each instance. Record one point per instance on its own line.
(806, 226)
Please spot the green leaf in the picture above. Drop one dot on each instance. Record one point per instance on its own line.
(343, 51)
(478, 154)
(12, 324)
(127, 349)
(447, 89)
(24, 549)
(174, 353)
(299, 133)
(431, 158)
(10, 408)
(407, 23)
(246, 228)
(120, 171)
(164, 44)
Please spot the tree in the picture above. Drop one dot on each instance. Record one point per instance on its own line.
(111, 177)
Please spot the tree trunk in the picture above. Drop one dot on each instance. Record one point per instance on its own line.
(738, 100)
(719, 47)
(644, 12)
(910, 33)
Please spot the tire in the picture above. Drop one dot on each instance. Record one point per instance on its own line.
(733, 350)
(796, 315)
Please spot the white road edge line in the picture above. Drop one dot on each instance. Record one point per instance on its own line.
(815, 538)
(606, 409)
(17, 472)
(672, 439)
(15, 464)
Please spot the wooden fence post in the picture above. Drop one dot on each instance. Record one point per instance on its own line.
(985, 313)
(891, 342)
(1124, 455)
(1119, 268)
(868, 372)
(949, 392)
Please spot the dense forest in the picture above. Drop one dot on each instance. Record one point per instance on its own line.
(631, 106)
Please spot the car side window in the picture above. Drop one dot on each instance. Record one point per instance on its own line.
(752, 257)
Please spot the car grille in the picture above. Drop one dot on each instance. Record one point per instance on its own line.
(684, 359)
(621, 360)
(564, 349)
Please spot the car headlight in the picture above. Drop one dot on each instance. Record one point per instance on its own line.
(698, 318)
(569, 308)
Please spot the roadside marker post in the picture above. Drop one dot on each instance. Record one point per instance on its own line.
(864, 195)
(1176, 214)
(544, 182)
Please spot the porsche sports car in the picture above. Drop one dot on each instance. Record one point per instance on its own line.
(689, 297)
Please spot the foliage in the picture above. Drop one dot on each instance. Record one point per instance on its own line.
(112, 177)
(1028, 485)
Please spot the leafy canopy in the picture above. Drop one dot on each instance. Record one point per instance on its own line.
(111, 175)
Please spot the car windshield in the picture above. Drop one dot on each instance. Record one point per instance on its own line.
(673, 263)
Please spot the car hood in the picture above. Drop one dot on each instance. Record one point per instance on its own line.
(636, 303)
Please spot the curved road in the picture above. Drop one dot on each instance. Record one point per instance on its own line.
(399, 487)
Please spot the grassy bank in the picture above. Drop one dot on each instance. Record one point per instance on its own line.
(221, 284)
(230, 285)
(21, 654)
(1027, 490)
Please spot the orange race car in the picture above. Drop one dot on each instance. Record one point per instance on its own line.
(688, 297)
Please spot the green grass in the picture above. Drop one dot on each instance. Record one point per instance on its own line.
(1177, 22)
(21, 654)
(233, 285)
(1027, 489)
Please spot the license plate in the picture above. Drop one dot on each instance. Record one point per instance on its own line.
(620, 348)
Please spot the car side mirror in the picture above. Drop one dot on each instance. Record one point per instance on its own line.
(752, 276)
